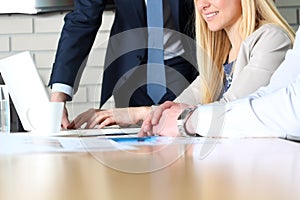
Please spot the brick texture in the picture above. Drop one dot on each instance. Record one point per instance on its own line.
(39, 34)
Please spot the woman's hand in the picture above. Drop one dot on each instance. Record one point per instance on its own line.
(162, 120)
(102, 118)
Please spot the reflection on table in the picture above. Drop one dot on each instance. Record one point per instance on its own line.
(231, 169)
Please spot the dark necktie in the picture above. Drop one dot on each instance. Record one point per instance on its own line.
(156, 79)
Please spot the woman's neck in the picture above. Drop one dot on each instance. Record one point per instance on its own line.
(235, 40)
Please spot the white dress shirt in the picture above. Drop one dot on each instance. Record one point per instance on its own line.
(273, 110)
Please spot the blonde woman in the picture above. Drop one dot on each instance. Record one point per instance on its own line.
(271, 111)
(240, 45)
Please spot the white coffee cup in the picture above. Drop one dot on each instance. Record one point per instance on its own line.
(46, 117)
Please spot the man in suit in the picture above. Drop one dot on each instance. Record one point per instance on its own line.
(124, 75)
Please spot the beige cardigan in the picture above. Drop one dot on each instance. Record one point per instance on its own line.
(259, 56)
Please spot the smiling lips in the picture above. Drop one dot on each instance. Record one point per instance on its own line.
(211, 14)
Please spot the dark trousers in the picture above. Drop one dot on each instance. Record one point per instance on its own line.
(179, 74)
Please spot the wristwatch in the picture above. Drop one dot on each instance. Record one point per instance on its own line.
(183, 117)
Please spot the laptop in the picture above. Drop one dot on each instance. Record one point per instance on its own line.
(27, 90)
(24, 84)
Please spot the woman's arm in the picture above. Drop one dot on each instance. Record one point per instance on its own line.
(259, 57)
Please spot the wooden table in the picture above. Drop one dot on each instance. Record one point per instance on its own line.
(241, 169)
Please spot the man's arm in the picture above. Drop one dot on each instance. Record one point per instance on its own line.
(275, 114)
(77, 37)
(76, 40)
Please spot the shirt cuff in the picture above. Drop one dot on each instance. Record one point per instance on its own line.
(59, 87)
(209, 119)
(232, 120)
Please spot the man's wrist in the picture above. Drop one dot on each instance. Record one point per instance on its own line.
(59, 97)
(63, 88)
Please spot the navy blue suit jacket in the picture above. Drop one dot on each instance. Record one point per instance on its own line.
(81, 26)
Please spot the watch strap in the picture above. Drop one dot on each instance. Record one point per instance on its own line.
(181, 121)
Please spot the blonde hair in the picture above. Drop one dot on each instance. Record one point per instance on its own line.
(213, 47)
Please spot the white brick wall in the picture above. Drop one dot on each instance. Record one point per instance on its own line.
(4, 44)
(40, 33)
(16, 25)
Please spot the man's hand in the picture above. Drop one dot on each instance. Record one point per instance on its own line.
(162, 120)
(100, 118)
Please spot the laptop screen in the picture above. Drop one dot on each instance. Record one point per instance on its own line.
(23, 83)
